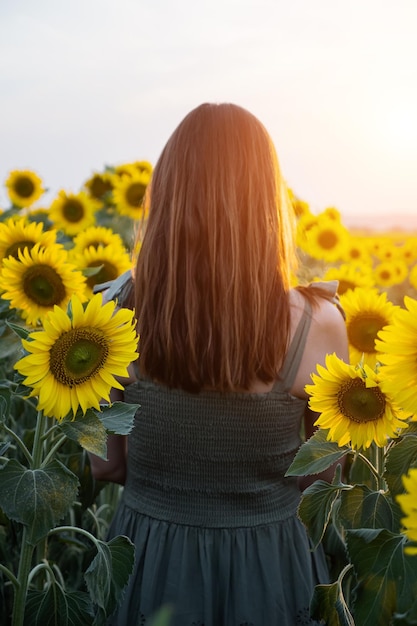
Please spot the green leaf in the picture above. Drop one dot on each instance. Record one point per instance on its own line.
(109, 573)
(401, 456)
(54, 606)
(316, 506)
(88, 431)
(118, 418)
(363, 508)
(91, 271)
(37, 498)
(329, 604)
(386, 577)
(316, 455)
(20, 331)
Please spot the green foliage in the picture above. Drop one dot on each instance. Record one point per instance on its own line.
(376, 581)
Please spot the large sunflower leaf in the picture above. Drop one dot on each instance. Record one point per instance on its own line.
(109, 571)
(54, 606)
(386, 577)
(118, 418)
(329, 604)
(363, 508)
(316, 507)
(88, 431)
(37, 498)
(401, 456)
(316, 455)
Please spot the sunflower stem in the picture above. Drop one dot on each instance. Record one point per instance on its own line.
(23, 573)
(37, 450)
(27, 549)
(19, 442)
(380, 466)
(371, 466)
(54, 449)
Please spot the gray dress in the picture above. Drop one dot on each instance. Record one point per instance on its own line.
(212, 516)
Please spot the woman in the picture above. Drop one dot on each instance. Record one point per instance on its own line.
(226, 348)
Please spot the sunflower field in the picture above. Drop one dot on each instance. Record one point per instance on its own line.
(62, 347)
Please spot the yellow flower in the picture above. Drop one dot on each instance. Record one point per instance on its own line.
(397, 344)
(356, 252)
(18, 234)
(352, 405)
(350, 277)
(24, 187)
(388, 273)
(129, 191)
(332, 213)
(73, 213)
(367, 312)
(72, 362)
(38, 280)
(327, 240)
(112, 261)
(99, 185)
(413, 276)
(408, 503)
(96, 236)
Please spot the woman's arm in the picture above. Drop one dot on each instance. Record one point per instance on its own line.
(327, 335)
(114, 469)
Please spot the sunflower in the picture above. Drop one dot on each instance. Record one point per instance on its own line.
(73, 361)
(388, 273)
(18, 234)
(408, 503)
(352, 405)
(129, 191)
(367, 311)
(332, 213)
(327, 240)
(99, 185)
(24, 187)
(72, 213)
(350, 277)
(38, 280)
(112, 261)
(356, 252)
(397, 345)
(413, 276)
(96, 236)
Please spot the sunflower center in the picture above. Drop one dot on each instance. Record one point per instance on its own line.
(24, 186)
(327, 239)
(43, 285)
(77, 355)
(13, 250)
(363, 329)
(360, 403)
(135, 193)
(73, 210)
(98, 186)
(107, 272)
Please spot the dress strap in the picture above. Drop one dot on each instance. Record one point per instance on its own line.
(295, 351)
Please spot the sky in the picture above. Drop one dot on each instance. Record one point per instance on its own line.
(90, 83)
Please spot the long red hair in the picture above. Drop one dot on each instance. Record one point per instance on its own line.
(213, 273)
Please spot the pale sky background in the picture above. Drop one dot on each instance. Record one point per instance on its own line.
(87, 83)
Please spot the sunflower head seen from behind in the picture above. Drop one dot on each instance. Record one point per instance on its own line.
(73, 361)
(24, 188)
(353, 406)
